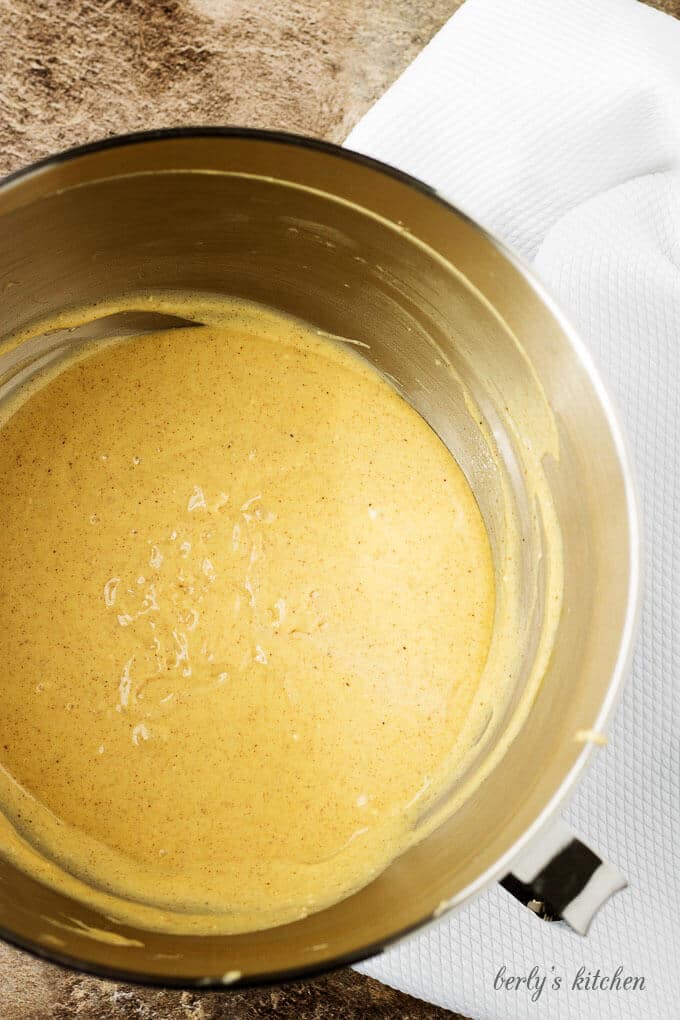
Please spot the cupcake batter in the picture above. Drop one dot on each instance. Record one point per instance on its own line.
(247, 598)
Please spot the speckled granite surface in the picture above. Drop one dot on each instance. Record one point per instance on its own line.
(33, 990)
(76, 70)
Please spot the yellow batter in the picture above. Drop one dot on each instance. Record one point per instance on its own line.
(246, 598)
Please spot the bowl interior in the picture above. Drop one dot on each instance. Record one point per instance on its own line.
(463, 333)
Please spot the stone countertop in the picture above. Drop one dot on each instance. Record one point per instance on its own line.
(77, 70)
(31, 989)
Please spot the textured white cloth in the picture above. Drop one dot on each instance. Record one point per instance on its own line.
(556, 124)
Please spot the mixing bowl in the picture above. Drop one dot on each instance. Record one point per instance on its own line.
(470, 338)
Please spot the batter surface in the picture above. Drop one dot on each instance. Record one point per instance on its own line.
(247, 598)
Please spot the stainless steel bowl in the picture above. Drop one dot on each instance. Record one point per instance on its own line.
(468, 335)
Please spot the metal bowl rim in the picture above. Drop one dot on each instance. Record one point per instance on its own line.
(631, 620)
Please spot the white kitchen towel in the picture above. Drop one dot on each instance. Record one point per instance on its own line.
(556, 124)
